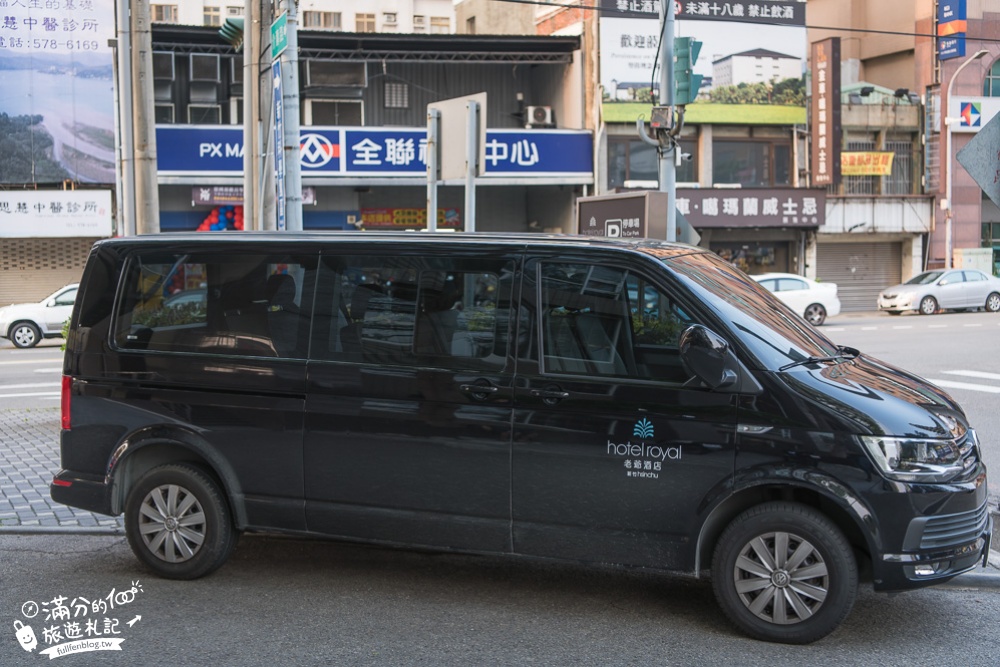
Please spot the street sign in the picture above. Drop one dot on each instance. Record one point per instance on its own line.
(279, 35)
(981, 158)
(279, 147)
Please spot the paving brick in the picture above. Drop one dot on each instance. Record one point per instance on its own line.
(29, 457)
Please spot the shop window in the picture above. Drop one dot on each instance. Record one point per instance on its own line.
(751, 163)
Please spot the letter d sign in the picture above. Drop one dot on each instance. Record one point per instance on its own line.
(26, 636)
(613, 228)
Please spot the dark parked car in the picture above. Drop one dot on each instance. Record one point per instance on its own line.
(510, 395)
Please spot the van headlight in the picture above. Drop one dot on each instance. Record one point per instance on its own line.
(915, 459)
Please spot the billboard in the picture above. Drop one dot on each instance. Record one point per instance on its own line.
(754, 29)
(57, 107)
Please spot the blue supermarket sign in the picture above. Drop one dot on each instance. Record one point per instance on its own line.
(375, 151)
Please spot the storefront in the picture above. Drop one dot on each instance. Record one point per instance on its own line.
(758, 230)
(375, 178)
(46, 238)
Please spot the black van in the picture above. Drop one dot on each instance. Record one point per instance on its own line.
(635, 402)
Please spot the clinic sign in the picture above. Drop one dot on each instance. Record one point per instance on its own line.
(378, 152)
(55, 214)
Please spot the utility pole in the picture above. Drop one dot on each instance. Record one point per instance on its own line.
(147, 196)
(251, 130)
(123, 112)
(290, 98)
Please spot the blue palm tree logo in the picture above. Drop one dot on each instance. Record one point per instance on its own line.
(643, 429)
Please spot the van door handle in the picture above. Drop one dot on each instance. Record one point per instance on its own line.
(550, 396)
(478, 392)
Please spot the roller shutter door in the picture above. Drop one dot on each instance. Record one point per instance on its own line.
(31, 269)
(861, 271)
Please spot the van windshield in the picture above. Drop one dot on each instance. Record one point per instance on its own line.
(772, 333)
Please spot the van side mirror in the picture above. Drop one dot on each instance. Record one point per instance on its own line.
(705, 354)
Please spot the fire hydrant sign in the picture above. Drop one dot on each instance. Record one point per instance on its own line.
(981, 158)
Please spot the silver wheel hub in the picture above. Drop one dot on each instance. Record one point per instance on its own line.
(781, 578)
(172, 523)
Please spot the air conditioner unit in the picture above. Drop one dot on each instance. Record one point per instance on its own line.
(539, 117)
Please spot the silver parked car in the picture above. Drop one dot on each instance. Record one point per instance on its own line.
(931, 291)
(25, 324)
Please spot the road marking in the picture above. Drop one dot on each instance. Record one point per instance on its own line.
(33, 385)
(48, 370)
(975, 374)
(966, 385)
(50, 393)
(978, 324)
(47, 360)
(832, 329)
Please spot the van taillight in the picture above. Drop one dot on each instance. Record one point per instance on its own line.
(67, 385)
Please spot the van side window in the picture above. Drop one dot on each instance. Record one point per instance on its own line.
(606, 321)
(411, 311)
(241, 304)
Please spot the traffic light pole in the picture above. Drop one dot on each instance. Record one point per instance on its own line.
(668, 167)
(662, 120)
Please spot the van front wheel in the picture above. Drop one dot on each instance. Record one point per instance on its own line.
(783, 572)
(178, 523)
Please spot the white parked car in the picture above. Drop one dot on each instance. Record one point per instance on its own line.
(931, 291)
(25, 324)
(812, 300)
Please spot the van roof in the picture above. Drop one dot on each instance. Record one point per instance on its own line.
(657, 248)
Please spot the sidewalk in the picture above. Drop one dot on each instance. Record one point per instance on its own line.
(29, 456)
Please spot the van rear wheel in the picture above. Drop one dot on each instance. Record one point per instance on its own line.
(178, 523)
(783, 572)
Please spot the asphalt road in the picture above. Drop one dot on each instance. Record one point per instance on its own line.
(291, 602)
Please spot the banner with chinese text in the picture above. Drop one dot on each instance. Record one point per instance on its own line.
(866, 163)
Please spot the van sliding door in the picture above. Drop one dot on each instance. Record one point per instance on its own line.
(409, 397)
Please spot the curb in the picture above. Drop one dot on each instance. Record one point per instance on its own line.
(62, 530)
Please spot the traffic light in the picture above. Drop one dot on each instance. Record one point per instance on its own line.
(232, 32)
(686, 82)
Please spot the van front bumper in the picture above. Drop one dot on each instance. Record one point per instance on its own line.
(82, 491)
(925, 561)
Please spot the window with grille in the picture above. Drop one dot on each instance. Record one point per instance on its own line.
(364, 23)
(397, 96)
(900, 181)
(860, 185)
